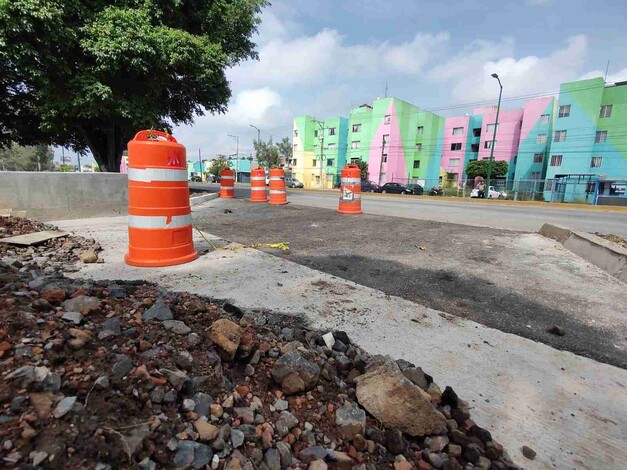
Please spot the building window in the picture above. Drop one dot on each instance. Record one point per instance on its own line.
(294, 161)
(488, 144)
(385, 158)
(560, 136)
(316, 133)
(295, 132)
(330, 146)
(355, 161)
(355, 144)
(418, 147)
(458, 131)
(314, 163)
(416, 164)
(331, 130)
(490, 128)
(595, 162)
(420, 130)
(601, 137)
(541, 139)
(538, 158)
(556, 160)
(536, 175)
(457, 146)
(330, 161)
(564, 111)
(356, 127)
(386, 119)
(295, 146)
(544, 119)
(606, 111)
(453, 162)
(386, 138)
(476, 132)
(474, 147)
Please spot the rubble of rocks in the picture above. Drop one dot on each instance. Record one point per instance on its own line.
(58, 254)
(107, 375)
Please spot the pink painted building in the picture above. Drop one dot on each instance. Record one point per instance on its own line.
(507, 135)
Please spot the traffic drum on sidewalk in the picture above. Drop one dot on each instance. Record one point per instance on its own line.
(159, 214)
(258, 191)
(278, 193)
(350, 190)
(227, 183)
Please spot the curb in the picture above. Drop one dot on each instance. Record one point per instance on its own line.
(609, 256)
(195, 201)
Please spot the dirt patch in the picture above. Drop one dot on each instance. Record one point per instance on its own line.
(613, 238)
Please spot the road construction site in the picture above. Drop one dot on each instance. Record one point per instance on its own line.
(469, 305)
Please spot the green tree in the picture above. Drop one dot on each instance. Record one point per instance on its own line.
(285, 149)
(480, 168)
(88, 74)
(31, 158)
(218, 165)
(363, 167)
(267, 153)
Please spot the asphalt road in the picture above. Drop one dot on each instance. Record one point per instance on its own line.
(515, 282)
(492, 214)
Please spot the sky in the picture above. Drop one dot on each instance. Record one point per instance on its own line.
(322, 57)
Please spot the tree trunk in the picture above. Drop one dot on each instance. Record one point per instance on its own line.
(106, 147)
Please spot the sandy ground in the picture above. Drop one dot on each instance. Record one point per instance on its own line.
(568, 408)
(515, 282)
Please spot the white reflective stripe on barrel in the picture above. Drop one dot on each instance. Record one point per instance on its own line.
(252, 188)
(277, 178)
(257, 178)
(159, 221)
(231, 177)
(350, 180)
(146, 175)
(277, 191)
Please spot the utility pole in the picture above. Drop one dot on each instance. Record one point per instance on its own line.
(236, 137)
(321, 129)
(78, 156)
(258, 140)
(486, 192)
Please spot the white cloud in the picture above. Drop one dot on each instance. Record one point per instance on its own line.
(619, 76)
(471, 80)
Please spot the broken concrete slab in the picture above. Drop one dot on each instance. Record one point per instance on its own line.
(34, 238)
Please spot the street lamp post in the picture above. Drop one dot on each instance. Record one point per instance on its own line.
(258, 140)
(236, 137)
(486, 193)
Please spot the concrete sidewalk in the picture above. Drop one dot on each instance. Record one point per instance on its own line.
(571, 410)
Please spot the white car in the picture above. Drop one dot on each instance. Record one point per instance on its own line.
(493, 193)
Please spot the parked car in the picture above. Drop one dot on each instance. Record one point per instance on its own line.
(369, 187)
(416, 188)
(196, 178)
(436, 191)
(492, 194)
(395, 188)
(293, 183)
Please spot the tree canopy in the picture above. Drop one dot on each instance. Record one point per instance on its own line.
(480, 168)
(285, 149)
(32, 158)
(363, 167)
(88, 74)
(217, 165)
(267, 153)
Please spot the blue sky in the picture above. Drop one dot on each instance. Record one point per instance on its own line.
(322, 57)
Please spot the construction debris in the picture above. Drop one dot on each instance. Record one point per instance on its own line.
(111, 374)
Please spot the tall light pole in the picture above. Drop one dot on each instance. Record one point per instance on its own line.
(486, 192)
(258, 140)
(236, 137)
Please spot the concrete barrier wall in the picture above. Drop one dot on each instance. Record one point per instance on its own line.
(55, 195)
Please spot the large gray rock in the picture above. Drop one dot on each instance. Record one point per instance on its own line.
(285, 423)
(351, 420)
(192, 454)
(159, 311)
(83, 304)
(177, 326)
(226, 335)
(390, 397)
(295, 373)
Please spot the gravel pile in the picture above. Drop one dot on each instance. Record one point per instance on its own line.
(127, 375)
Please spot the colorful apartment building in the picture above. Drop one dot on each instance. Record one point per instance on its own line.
(568, 147)
(589, 140)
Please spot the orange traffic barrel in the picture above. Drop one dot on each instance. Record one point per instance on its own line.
(258, 192)
(227, 182)
(159, 215)
(278, 194)
(350, 190)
